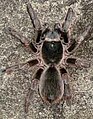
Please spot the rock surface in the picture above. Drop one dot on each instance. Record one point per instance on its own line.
(14, 87)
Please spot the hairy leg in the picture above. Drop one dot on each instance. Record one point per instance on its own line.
(77, 62)
(10, 69)
(35, 21)
(70, 18)
(31, 89)
(67, 92)
(75, 44)
(64, 35)
(67, 25)
(26, 43)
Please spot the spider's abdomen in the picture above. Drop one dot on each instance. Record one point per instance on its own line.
(52, 52)
(51, 87)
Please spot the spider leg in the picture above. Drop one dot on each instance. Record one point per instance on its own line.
(35, 21)
(77, 62)
(67, 26)
(33, 17)
(31, 89)
(64, 35)
(70, 18)
(67, 92)
(27, 100)
(10, 69)
(38, 73)
(29, 45)
(75, 44)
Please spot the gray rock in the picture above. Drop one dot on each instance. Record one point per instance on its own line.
(13, 87)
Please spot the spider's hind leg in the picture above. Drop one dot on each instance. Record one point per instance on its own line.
(67, 91)
(31, 89)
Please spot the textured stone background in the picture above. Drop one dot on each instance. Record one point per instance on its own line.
(13, 88)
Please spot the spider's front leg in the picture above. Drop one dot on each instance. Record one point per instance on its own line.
(67, 25)
(31, 89)
(67, 92)
(26, 43)
(35, 21)
(69, 20)
(33, 17)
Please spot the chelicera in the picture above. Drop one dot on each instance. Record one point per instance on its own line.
(52, 53)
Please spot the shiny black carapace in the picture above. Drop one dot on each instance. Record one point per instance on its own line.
(52, 52)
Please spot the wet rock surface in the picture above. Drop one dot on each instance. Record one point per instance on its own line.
(14, 87)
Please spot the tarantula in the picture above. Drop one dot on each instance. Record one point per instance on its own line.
(52, 53)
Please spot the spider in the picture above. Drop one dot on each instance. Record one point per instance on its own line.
(52, 52)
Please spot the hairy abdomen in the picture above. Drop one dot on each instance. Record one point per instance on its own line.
(51, 87)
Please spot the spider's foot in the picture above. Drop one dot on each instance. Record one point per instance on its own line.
(5, 70)
(28, 98)
(77, 62)
(2, 71)
(82, 63)
(10, 30)
(68, 99)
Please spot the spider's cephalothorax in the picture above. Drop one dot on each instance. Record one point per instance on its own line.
(52, 49)
(52, 53)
